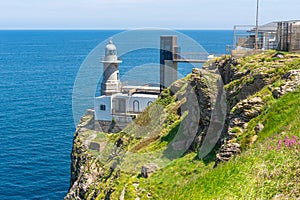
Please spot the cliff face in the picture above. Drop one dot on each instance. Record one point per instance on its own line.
(81, 175)
(212, 112)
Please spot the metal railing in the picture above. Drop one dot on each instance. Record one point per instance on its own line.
(191, 56)
(244, 38)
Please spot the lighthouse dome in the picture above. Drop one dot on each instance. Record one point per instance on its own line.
(110, 53)
(110, 49)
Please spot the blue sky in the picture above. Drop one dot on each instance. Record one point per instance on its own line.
(126, 14)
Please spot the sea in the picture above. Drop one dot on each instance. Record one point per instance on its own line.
(38, 71)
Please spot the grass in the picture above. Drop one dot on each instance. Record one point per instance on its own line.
(266, 63)
(264, 171)
(278, 115)
(261, 172)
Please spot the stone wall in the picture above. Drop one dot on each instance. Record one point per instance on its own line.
(106, 126)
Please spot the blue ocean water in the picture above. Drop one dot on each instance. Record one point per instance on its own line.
(37, 74)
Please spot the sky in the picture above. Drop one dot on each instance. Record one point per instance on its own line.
(129, 14)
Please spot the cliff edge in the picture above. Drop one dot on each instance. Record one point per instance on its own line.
(184, 145)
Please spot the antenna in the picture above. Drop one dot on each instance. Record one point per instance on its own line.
(256, 31)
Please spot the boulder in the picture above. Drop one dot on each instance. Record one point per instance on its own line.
(258, 128)
(176, 86)
(94, 146)
(148, 169)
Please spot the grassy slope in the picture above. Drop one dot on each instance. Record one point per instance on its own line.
(265, 63)
(262, 172)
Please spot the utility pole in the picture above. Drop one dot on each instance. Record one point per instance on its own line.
(256, 31)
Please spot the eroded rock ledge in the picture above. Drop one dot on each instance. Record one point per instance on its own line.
(245, 100)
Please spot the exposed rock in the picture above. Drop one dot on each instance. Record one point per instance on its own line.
(198, 97)
(122, 196)
(253, 139)
(251, 88)
(245, 108)
(106, 126)
(278, 55)
(148, 169)
(258, 128)
(94, 146)
(239, 75)
(225, 69)
(175, 87)
(243, 113)
(292, 82)
(82, 162)
(226, 151)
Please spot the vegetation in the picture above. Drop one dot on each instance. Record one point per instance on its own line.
(269, 169)
(278, 116)
(272, 64)
(266, 169)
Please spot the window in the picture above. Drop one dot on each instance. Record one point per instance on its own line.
(102, 107)
(149, 103)
(136, 106)
(112, 52)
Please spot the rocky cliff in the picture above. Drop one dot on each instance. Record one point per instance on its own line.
(210, 115)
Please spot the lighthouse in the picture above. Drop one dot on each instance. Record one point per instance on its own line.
(118, 104)
(111, 83)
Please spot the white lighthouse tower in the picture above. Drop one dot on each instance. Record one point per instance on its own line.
(118, 105)
(111, 83)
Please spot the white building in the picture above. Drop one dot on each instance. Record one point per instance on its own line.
(119, 104)
(121, 107)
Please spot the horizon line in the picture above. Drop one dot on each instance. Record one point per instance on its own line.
(104, 29)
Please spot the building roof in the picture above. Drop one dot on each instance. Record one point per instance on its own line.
(126, 96)
(269, 27)
(145, 95)
(293, 21)
(140, 90)
(272, 26)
